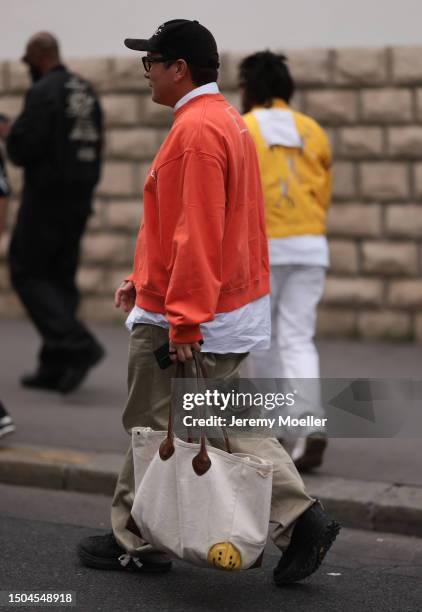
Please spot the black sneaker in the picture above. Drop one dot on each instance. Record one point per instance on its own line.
(6, 423)
(44, 378)
(75, 374)
(103, 552)
(313, 535)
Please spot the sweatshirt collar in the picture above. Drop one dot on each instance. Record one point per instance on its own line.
(209, 88)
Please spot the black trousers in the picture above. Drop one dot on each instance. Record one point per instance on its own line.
(43, 258)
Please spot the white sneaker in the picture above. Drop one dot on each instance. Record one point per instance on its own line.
(6, 426)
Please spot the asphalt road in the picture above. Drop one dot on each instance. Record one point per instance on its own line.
(39, 530)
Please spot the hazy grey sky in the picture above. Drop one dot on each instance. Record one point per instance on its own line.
(98, 27)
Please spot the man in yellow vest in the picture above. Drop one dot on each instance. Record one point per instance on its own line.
(295, 159)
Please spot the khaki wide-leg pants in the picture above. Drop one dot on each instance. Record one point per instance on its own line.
(148, 406)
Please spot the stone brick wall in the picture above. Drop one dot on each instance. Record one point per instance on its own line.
(370, 102)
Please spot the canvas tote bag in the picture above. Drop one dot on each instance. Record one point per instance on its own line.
(198, 503)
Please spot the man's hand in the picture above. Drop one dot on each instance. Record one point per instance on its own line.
(183, 352)
(125, 296)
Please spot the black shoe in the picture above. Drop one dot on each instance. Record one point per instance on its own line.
(76, 373)
(308, 452)
(44, 378)
(6, 423)
(103, 552)
(313, 535)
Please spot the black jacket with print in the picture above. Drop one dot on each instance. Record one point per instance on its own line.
(58, 136)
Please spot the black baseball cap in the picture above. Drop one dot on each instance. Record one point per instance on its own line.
(180, 39)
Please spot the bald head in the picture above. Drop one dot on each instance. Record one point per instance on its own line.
(43, 43)
(42, 53)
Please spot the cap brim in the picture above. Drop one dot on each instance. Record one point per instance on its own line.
(137, 44)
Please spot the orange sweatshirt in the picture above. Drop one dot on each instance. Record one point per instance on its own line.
(202, 246)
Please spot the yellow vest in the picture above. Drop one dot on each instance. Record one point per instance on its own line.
(296, 180)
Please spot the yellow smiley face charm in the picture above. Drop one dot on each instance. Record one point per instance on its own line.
(225, 556)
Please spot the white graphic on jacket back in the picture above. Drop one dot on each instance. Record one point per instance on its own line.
(285, 198)
(80, 107)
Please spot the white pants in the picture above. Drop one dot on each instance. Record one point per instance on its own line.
(295, 293)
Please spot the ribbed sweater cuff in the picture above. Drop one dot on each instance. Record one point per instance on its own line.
(185, 335)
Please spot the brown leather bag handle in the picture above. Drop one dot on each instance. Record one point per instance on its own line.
(201, 463)
(204, 373)
(166, 449)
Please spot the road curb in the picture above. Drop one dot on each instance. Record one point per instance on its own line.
(371, 505)
(59, 469)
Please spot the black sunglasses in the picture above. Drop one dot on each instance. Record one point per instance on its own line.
(149, 61)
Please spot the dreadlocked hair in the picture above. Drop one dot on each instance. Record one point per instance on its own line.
(263, 76)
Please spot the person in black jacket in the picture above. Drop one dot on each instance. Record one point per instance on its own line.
(57, 139)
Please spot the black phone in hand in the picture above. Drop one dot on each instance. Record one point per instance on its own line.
(163, 357)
